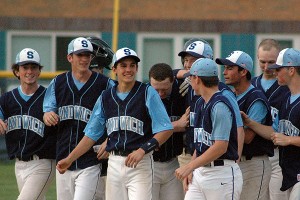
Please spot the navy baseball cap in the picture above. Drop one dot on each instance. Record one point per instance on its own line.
(237, 58)
(80, 45)
(124, 53)
(198, 49)
(27, 56)
(204, 67)
(288, 57)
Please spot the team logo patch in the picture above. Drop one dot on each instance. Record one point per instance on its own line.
(298, 177)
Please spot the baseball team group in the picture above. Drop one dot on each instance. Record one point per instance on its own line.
(185, 134)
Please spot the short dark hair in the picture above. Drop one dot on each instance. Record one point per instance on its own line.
(161, 71)
(209, 81)
(248, 75)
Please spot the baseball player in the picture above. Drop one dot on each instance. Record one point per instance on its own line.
(165, 184)
(136, 122)
(27, 138)
(200, 49)
(103, 58)
(216, 175)
(285, 129)
(69, 101)
(267, 54)
(254, 163)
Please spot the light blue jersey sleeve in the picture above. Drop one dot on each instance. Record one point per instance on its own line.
(258, 112)
(49, 103)
(1, 115)
(157, 111)
(221, 118)
(232, 99)
(96, 125)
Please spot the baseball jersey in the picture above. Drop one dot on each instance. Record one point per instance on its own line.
(193, 100)
(26, 134)
(259, 146)
(74, 107)
(130, 121)
(205, 131)
(274, 94)
(289, 157)
(174, 145)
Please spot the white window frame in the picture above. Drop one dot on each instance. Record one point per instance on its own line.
(295, 38)
(178, 45)
(53, 35)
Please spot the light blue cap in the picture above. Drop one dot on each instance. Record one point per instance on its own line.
(123, 53)
(27, 56)
(198, 49)
(204, 67)
(288, 57)
(79, 45)
(237, 58)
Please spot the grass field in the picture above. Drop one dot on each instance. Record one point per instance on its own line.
(8, 184)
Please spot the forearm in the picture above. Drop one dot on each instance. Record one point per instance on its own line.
(211, 154)
(241, 138)
(163, 136)
(260, 129)
(84, 145)
(177, 127)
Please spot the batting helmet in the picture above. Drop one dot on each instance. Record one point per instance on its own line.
(102, 51)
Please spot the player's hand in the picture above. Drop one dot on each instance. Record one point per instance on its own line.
(63, 165)
(184, 87)
(50, 118)
(281, 139)
(100, 150)
(245, 118)
(183, 172)
(134, 158)
(3, 127)
(183, 122)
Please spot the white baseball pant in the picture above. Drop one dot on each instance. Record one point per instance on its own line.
(127, 183)
(219, 182)
(34, 177)
(165, 185)
(78, 184)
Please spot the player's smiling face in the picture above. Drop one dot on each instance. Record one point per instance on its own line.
(81, 61)
(28, 73)
(164, 88)
(126, 70)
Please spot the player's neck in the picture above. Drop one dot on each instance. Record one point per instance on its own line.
(125, 87)
(294, 85)
(82, 76)
(268, 77)
(29, 89)
(207, 93)
(242, 86)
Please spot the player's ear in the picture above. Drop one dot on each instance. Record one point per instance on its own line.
(70, 57)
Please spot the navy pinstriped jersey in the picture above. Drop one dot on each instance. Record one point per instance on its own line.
(26, 132)
(174, 145)
(259, 146)
(130, 114)
(203, 127)
(193, 100)
(74, 109)
(289, 156)
(274, 94)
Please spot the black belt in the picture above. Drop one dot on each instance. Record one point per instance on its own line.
(162, 159)
(215, 163)
(30, 158)
(120, 153)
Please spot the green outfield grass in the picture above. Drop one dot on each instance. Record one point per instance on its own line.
(8, 184)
